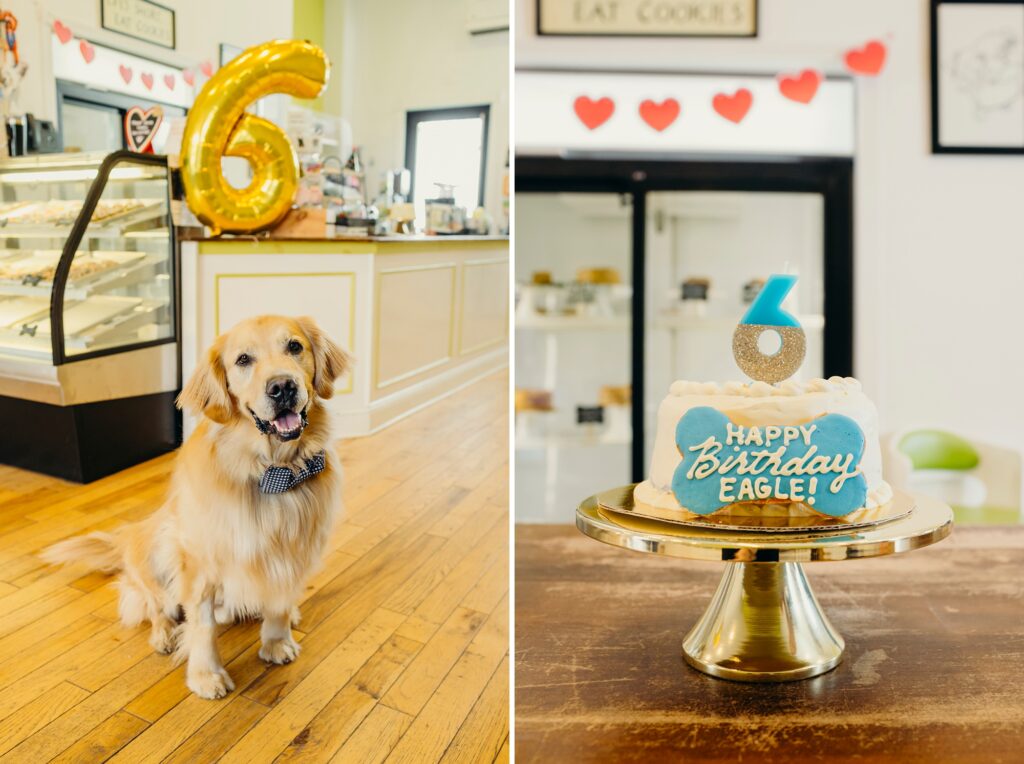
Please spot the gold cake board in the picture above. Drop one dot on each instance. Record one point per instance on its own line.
(764, 623)
(901, 505)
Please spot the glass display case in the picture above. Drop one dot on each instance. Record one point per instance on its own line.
(88, 305)
(86, 251)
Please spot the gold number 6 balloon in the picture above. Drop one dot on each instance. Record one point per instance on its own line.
(219, 126)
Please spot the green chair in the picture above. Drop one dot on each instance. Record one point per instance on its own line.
(980, 481)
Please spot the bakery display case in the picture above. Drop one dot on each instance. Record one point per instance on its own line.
(88, 306)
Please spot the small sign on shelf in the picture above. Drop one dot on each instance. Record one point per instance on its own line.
(140, 126)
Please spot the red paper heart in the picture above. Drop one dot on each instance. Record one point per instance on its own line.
(88, 51)
(593, 114)
(126, 73)
(206, 68)
(800, 88)
(147, 80)
(733, 107)
(62, 32)
(866, 60)
(659, 115)
(169, 81)
(189, 76)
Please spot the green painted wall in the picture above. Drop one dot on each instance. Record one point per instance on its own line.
(308, 24)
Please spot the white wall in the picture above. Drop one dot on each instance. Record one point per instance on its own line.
(939, 239)
(201, 27)
(402, 55)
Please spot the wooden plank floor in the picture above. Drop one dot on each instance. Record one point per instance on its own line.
(404, 632)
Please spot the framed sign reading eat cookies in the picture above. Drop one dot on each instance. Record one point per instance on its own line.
(647, 18)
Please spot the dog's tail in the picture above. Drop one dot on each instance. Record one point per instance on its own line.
(99, 550)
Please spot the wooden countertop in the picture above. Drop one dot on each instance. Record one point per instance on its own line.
(932, 669)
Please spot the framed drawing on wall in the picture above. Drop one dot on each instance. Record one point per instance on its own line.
(977, 72)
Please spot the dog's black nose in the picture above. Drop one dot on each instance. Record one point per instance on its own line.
(282, 391)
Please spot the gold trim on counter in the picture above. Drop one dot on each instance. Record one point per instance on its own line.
(377, 384)
(503, 336)
(257, 246)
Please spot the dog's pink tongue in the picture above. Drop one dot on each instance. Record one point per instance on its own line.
(287, 421)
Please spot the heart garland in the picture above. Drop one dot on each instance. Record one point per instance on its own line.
(733, 107)
(593, 114)
(62, 32)
(802, 87)
(867, 60)
(659, 115)
(88, 51)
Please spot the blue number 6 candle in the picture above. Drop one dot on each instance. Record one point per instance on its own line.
(766, 314)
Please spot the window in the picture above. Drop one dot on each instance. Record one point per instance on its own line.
(447, 146)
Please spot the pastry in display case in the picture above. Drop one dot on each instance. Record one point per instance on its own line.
(88, 311)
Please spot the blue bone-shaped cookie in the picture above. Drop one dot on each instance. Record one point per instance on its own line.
(835, 449)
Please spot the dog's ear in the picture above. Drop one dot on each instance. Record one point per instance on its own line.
(206, 391)
(330, 361)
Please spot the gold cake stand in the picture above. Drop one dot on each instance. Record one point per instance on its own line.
(764, 623)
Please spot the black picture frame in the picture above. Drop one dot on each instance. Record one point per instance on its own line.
(933, 22)
(226, 52)
(752, 35)
(174, 25)
(828, 176)
(414, 118)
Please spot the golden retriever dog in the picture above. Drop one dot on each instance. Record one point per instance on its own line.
(254, 495)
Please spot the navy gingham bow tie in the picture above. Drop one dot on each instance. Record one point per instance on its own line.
(282, 479)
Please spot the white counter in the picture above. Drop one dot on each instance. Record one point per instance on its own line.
(422, 316)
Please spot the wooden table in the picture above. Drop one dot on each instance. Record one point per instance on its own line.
(932, 672)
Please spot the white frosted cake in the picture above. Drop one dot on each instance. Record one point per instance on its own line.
(790, 449)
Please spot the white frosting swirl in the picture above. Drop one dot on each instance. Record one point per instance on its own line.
(761, 389)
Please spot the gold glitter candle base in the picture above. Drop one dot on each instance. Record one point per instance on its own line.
(769, 368)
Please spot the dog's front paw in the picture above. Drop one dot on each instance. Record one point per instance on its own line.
(279, 650)
(223, 615)
(163, 636)
(210, 684)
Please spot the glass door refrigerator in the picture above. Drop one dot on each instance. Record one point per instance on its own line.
(632, 274)
(573, 318)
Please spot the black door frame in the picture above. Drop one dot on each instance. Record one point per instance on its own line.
(832, 177)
